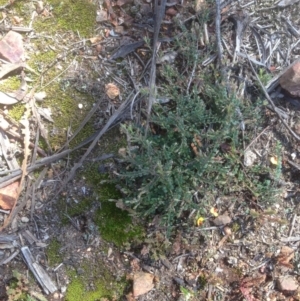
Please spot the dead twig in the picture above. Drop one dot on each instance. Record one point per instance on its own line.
(159, 11)
(292, 225)
(218, 31)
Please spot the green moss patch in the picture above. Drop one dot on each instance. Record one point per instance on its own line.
(78, 16)
(53, 253)
(105, 287)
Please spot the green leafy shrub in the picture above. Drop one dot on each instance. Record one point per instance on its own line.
(194, 150)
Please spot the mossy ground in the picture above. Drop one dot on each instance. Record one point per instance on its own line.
(104, 288)
(69, 22)
(53, 252)
(114, 225)
(76, 20)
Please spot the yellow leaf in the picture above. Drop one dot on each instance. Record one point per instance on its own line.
(214, 212)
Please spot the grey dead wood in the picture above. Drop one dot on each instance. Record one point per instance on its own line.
(29, 237)
(9, 258)
(39, 273)
(290, 239)
(6, 147)
(159, 11)
(10, 239)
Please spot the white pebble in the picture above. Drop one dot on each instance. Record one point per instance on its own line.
(80, 106)
(24, 219)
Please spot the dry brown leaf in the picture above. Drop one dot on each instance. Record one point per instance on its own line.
(285, 256)
(8, 196)
(112, 91)
(247, 283)
(171, 12)
(200, 4)
(96, 39)
(123, 2)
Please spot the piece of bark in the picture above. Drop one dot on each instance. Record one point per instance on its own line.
(39, 273)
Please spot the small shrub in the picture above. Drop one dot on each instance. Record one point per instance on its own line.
(193, 151)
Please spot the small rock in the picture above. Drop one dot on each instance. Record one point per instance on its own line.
(232, 260)
(142, 283)
(290, 80)
(24, 219)
(222, 220)
(287, 284)
(56, 296)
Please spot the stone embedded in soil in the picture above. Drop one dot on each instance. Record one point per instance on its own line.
(290, 80)
(142, 283)
(222, 220)
(11, 47)
(287, 284)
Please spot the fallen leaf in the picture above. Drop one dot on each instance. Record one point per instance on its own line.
(171, 11)
(8, 196)
(112, 91)
(17, 20)
(96, 39)
(123, 2)
(46, 113)
(285, 256)
(5, 99)
(222, 220)
(247, 283)
(39, 96)
(199, 5)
